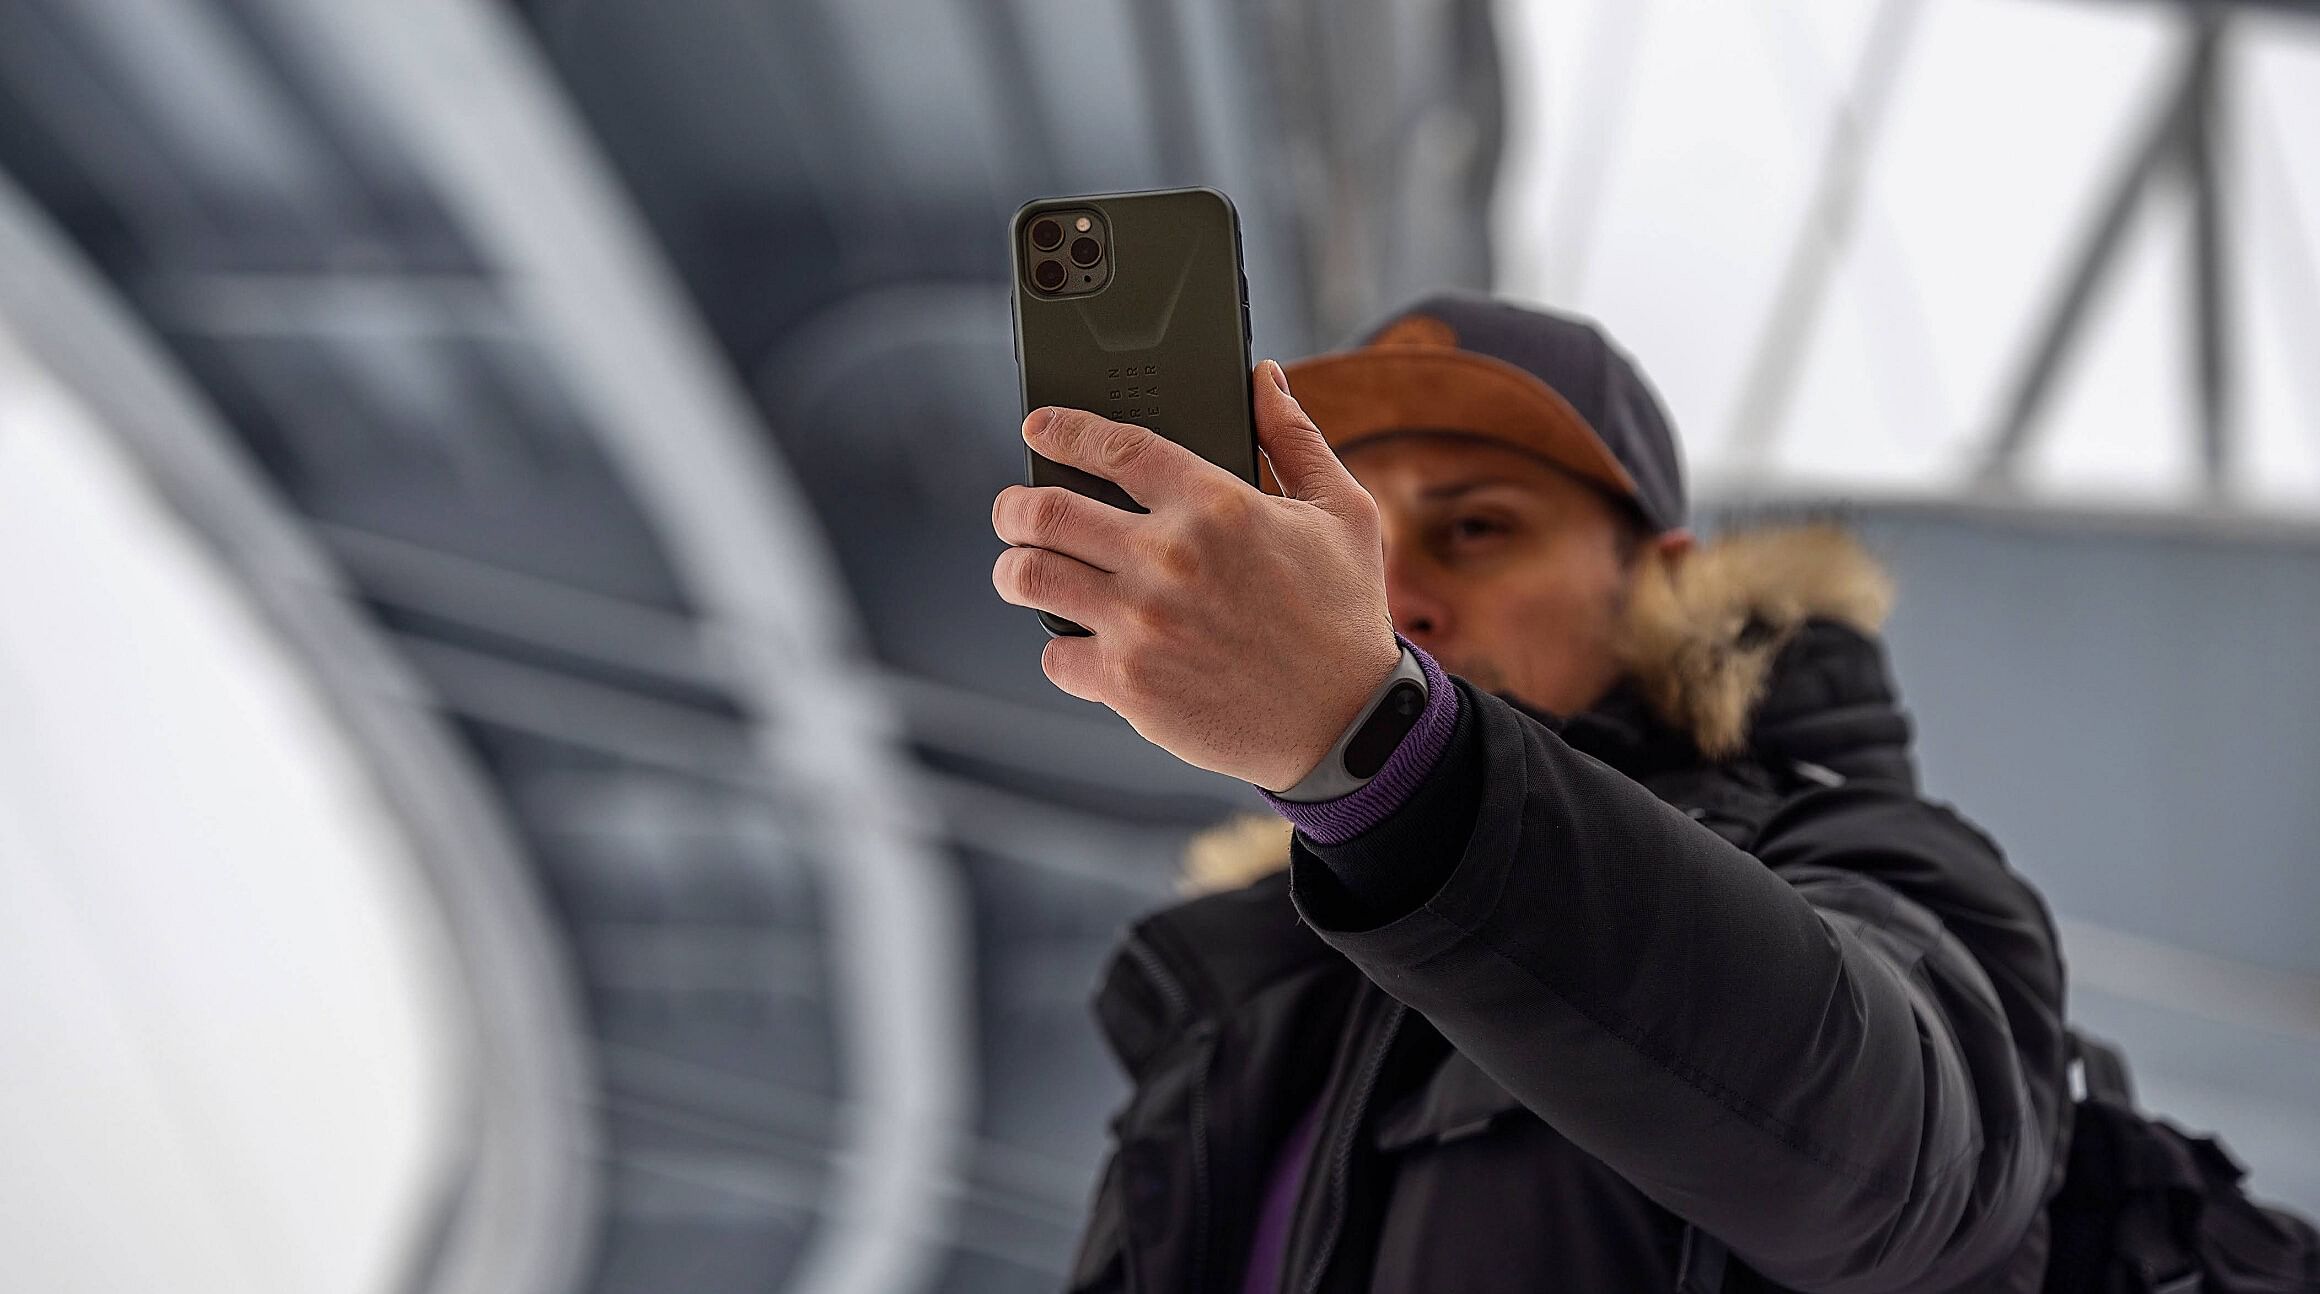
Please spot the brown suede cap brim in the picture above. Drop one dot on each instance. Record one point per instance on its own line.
(1374, 390)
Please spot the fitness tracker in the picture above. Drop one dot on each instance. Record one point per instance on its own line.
(1369, 741)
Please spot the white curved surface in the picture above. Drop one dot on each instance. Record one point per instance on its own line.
(232, 1059)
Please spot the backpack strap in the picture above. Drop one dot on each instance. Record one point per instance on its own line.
(1700, 1262)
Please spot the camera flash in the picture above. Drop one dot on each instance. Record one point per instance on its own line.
(1083, 224)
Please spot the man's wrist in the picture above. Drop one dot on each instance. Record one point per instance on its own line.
(1408, 856)
(1342, 817)
(1370, 738)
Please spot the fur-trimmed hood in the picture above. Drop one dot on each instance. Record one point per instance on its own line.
(1700, 636)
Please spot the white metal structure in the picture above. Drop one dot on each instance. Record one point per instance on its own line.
(2062, 251)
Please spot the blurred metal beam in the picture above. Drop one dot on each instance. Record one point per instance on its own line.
(2172, 143)
(549, 614)
(614, 721)
(717, 1107)
(1606, 79)
(1392, 122)
(1722, 502)
(2168, 975)
(2201, 136)
(2066, 315)
(805, 78)
(2303, 8)
(1088, 848)
(1824, 236)
(1281, 287)
(2293, 285)
(1058, 745)
(520, 1219)
(1031, 155)
(307, 305)
(464, 90)
(1175, 124)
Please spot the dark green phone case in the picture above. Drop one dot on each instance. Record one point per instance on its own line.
(1163, 344)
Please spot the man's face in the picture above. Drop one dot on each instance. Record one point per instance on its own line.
(1511, 572)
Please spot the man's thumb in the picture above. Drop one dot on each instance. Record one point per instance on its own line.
(1302, 460)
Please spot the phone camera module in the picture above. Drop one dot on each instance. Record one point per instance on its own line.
(1049, 275)
(1086, 252)
(1046, 235)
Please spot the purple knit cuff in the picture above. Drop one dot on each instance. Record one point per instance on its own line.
(1333, 822)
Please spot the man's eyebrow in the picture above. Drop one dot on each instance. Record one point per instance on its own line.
(1452, 489)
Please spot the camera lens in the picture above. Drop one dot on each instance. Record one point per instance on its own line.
(1086, 252)
(1048, 275)
(1046, 235)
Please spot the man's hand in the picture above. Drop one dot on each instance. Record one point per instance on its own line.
(1238, 630)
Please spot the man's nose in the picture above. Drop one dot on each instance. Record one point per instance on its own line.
(1418, 610)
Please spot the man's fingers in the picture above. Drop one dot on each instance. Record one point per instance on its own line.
(1064, 521)
(1074, 665)
(1049, 581)
(1148, 465)
(1302, 459)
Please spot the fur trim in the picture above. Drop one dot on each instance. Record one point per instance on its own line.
(1701, 632)
(1700, 635)
(1235, 852)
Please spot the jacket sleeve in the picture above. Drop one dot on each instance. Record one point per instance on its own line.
(1841, 1056)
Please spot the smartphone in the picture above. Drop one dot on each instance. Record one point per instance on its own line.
(1134, 306)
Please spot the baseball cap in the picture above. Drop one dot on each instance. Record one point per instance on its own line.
(1550, 384)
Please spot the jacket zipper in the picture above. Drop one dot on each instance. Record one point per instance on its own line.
(1348, 1132)
(1179, 1000)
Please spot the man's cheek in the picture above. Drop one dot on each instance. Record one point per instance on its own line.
(1550, 635)
(1481, 671)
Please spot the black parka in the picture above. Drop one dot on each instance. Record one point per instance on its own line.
(1773, 992)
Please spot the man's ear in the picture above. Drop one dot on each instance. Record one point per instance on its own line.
(1673, 546)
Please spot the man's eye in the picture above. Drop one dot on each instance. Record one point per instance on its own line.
(1468, 528)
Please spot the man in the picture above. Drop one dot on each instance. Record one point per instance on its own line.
(1639, 964)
